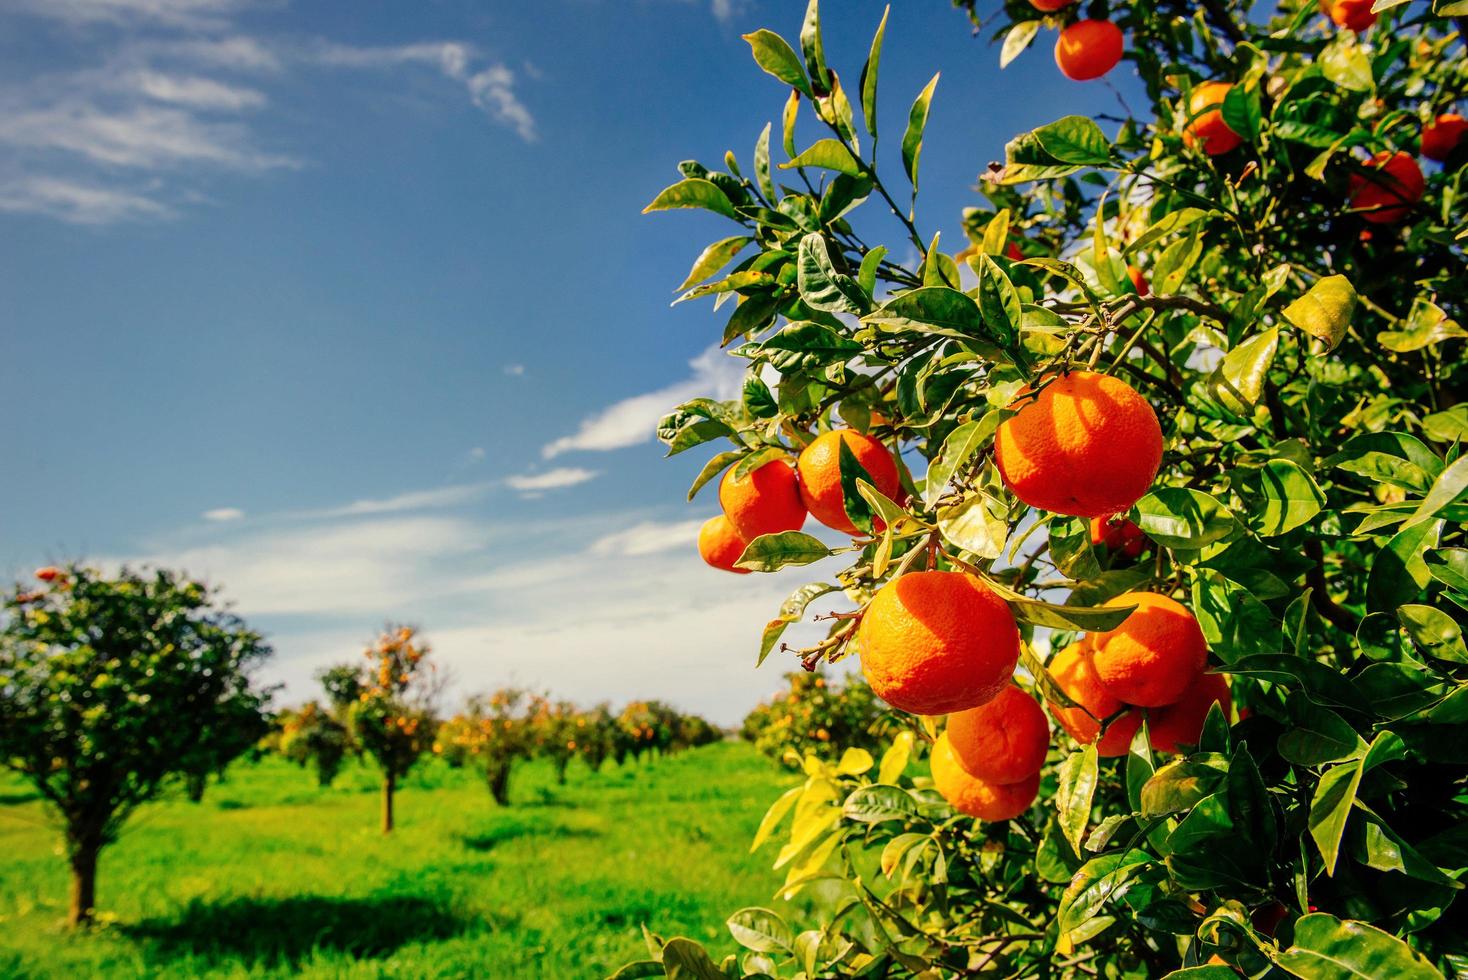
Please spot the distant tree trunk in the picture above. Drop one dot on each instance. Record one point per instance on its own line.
(389, 787)
(499, 784)
(194, 784)
(561, 763)
(83, 882)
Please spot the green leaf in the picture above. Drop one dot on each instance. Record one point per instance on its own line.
(878, 804)
(977, 524)
(1288, 497)
(858, 511)
(806, 345)
(1213, 972)
(1435, 632)
(957, 450)
(1074, 140)
(1166, 225)
(1017, 39)
(867, 275)
(1025, 160)
(1449, 566)
(821, 286)
(1325, 311)
(1426, 325)
(761, 930)
(1327, 948)
(1398, 574)
(712, 469)
(774, 54)
(684, 959)
(769, 552)
(1239, 379)
(762, 165)
(714, 258)
(1242, 112)
(1070, 548)
(1317, 735)
(869, 75)
(894, 760)
(811, 46)
(1099, 880)
(638, 970)
(946, 309)
(791, 611)
(1178, 517)
(787, 122)
(1078, 775)
(912, 140)
(1344, 62)
(998, 301)
(775, 814)
(829, 154)
(1095, 619)
(1446, 489)
(693, 192)
(758, 459)
(1179, 785)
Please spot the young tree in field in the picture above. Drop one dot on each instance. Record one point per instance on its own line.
(109, 686)
(554, 725)
(314, 736)
(596, 736)
(491, 734)
(1169, 443)
(392, 718)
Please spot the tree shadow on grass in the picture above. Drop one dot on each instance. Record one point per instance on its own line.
(285, 931)
(490, 839)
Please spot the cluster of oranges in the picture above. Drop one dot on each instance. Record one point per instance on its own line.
(777, 497)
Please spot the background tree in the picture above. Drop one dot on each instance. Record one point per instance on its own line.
(108, 687)
(556, 732)
(596, 736)
(392, 718)
(1231, 318)
(314, 736)
(819, 716)
(492, 734)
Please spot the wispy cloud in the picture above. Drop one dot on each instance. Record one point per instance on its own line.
(222, 515)
(648, 538)
(197, 92)
(77, 203)
(556, 479)
(180, 13)
(514, 370)
(450, 496)
(634, 420)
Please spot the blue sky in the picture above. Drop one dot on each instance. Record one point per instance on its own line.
(356, 315)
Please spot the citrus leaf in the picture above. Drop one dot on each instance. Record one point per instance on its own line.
(912, 140)
(769, 552)
(761, 930)
(714, 258)
(869, 75)
(1325, 310)
(1179, 517)
(693, 192)
(775, 55)
(828, 154)
(1327, 948)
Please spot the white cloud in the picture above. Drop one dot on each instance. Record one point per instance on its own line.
(197, 92)
(514, 370)
(648, 538)
(77, 203)
(477, 454)
(224, 514)
(566, 476)
(438, 497)
(180, 13)
(634, 420)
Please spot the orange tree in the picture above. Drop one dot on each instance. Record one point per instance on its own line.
(491, 734)
(817, 716)
(109, 687)
(313, 736)
(392, 718)
(554, 726)
(596, 736)
(1230, 318)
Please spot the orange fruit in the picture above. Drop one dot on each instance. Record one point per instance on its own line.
(1154, 656)
(1181, 723)
(1050, 6)
(1012, 250)
(721, 545)
(976, 797)
(1071, 668)
(1139, 281)
(1087, 445)
(819, 468)
(48, 574)
(1441, 136)
(1088, 49)
(1387, 195)
(932, 643)
(766, 501)
(1205, 126)
(1003, 741)
(1354, 15)
(1117, 536)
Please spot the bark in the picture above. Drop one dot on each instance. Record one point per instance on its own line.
(389, 787)
(499, 784)
(83, 883)
(194, 783)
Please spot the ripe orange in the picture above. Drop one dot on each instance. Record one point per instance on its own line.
(976, 797)
(1205, 126)
(1087, 445)
(766, 501)
(721, 545)
(1441, 136)
(1050, 6)
(1154, 656)
(48, 574)
(1088, 49)
(932, 643)
(1387, 195)
(1139, 281)
(1072, 670)
(1181, 723)
(1118, 537)
(1354, 15)
(819, 467)
(1003, 741)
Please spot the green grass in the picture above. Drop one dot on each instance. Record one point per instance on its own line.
(271, 877)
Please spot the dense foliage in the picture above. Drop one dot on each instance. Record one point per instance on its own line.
(1271, 267)
(817, 716)
(111, 686)
(391, 722)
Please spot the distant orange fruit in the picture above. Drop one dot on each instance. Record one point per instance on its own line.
(1088, 49)
(1441, 136)
(1003, 741)
(1087, 445)
(1154, 656)
(721, 545)
(48, 574)
(766, 501)
(1181, 723)
(1050, 6)
(1387, 195)
(1139, 281)
(1205, 128)
(1072, 670)
(1118, 537)
(976, 797)
(932, 643)
(1354, 15)
(819, 468)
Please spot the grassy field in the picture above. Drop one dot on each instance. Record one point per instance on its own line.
(271, 877)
